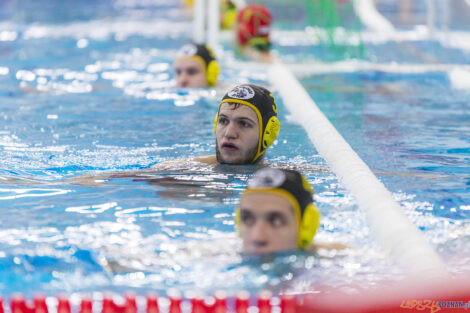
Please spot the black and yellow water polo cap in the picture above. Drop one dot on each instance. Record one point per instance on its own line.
(205, 56)
(263, 103)
(295, 188)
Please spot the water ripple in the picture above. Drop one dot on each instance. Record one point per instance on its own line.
(29, 192)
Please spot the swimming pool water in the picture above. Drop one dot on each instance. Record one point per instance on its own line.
(85, 93)
(412, 130)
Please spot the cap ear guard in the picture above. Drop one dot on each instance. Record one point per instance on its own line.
(212, 73)
(271, 131)
(237, 220)
(309, 225)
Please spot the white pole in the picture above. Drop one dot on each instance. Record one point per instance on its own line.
(213, 24)
(198, 21)
(446, 10)
(431, 16)
(370, 17)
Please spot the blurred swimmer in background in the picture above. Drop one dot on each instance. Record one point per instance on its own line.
(277, 213)
(253, 31)
(228, 14)
(196, 67)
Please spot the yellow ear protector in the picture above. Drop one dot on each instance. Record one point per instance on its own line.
(308, 226)
(212, 72)
(229, 19)
(237, 220)
(228, 14)
(212, 67)
(215, 121)
(271, 131)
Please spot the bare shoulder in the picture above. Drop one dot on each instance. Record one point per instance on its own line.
(178, 163)
(89, 179)
(169, 164)
(18, 180)
(97, 179)
(328, 246)
(208, 159)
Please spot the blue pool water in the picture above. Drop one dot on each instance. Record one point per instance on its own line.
(412, 130)
(87, 89)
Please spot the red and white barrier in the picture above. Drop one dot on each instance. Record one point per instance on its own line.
(446, 296)
(198, 304)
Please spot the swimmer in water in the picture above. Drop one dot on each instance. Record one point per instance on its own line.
(195, 67)
(228, 14)
(277, 213)
(245, 126)
(253, 29)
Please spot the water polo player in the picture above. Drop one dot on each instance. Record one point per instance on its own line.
(276, 212)
(245, 126)
(195, 67)
(253, 30)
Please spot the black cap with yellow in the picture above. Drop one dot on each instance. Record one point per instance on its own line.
(203, 54)
(295, 188)
(263, 103)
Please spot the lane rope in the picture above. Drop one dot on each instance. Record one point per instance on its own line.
(387, 221)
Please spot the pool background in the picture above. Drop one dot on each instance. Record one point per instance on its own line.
(86, 88)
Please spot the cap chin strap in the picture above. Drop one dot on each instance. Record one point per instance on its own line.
(238, 220)
(269, 136)
(257, 156)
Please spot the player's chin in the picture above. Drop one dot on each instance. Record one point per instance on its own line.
(232, 158)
